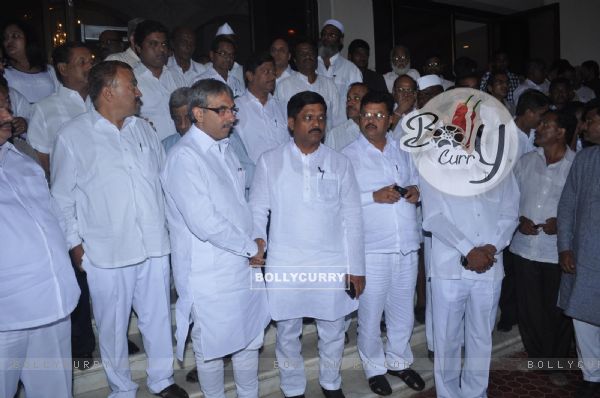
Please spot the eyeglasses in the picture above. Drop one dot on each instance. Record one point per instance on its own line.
(404, 91)
(400, 58)
(225, 55)
(309, 118)
(353, 98)
(378, 115)
(332, 35)
(433, 64)
(223, 110)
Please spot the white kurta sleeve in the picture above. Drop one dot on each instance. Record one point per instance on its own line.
(508, 219)
(187, 186)
(63, 173)
(37, 132)
(260, 200)
(351, 211)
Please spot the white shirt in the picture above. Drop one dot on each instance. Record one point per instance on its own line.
(19, 104)
(38, 284)
(34, 86)
(342, 135)
(528, 84)
(323, 85)
(286, 73)
(541, 186)
(128, 56)
(189, 76)
(210, 225)
(391, 77)
(315, 227)
(234, 84)
(526, 142)
(155, 97)
(106, 182)
(389, 228)
(584, 94)
(343, 73)
(50, 114)
(260, 127)
(458, 224)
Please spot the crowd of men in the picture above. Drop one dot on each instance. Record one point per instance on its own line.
(148, 164)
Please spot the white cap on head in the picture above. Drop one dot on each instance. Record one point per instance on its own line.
(429, 81)
(336, 23)
(225, 29)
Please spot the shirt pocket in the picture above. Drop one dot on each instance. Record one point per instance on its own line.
(327, 188)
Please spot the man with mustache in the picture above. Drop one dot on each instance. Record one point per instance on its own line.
(392, 241)
(156, 81)
(184, 44)
(400, 63)
(105, 178)
(315, 243)
(222, 57)
(344, 134)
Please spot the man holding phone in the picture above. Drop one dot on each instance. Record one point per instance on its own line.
(387, 180)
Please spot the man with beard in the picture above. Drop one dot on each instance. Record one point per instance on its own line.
(307, 78)
(105, 178)
(358, 53)
(156, 81)
(280, 51)
(400, 63)
(332, 64)
(342, 135)
(183, 43)
(222, 56)
(315, 233)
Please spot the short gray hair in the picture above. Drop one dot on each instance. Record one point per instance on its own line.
(179, 97)
(202, 89)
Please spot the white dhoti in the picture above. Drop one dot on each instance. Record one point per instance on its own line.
(587, 337)
(477, 301)
(40, 357)
(391, 280)
(291, 363)
(114, 292)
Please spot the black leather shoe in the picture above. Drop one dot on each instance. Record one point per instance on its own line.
(173, 391)
(504, 326)
(132, 348)
(192, 376)
(379, 385)
(410, 377)
(333, 393)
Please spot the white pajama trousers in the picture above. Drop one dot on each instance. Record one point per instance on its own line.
(587, 337)
(291, 363)
(114, 292)
(391, 280)
(211, 374)
(477, 301)
(40, 357)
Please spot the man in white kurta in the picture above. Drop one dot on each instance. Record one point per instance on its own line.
(307, 79)
(400, 64)
(211, 226)
(222, 55)
(346, 133)
(128, 56)
(262, 124)
(156, 81)
(38, 289)
(105, 178)
(280, 51)
(477, 228)
(391, 244)
(315, 243)
(184, 44)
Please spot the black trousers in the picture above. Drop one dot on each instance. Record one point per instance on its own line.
(508, 294)
(546, 332)
(82, 334)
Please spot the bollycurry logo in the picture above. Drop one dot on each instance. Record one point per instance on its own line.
(463, 142)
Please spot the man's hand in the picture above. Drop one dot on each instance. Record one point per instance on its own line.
(527, 227)
(19, 125)
(76, 255)
(412, 196)
(386, 195)
(566, 259)
(258, 260)
(359, 284)
(550, 227)
(480, 259)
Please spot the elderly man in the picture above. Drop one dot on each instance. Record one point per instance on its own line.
(434, 66)
(358, 53)
(405, 97)
(38, 290)
(183, 43)
(316, 235)
(222, 56)
(387, 180)
(578, 230)
(129, 56)
(156, 81)
(179, 111)
(307, 78)
(211, 227)
(105, 177)
(280, 51)
(400, 63)
(109, 42)
(347, 132)
(262, 125)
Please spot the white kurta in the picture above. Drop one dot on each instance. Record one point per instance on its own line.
(128, 56)
(323, 85)
(391, 77)
(342, 135)
(232, 81)
(189, 76)
(261, 127)
(528, 84)
(19, 104)
(155, 97)
(343, 73)
(316, 229)
(211, 226)
(34, 86)
(286, 73)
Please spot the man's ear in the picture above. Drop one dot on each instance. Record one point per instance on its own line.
(198, 115)
(137, 49)
(62, 68)
(249, 76)
(291, 125)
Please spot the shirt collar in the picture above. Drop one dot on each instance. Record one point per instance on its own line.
(63, 90)
(98, 120)
(299, 153)
(252, 97)
(389, 143)
(132, 53)
(305, 78)
(569, 155)
(332, 59)
(205, 142)
(141, 69)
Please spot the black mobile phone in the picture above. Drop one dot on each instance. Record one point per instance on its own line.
(402, 191)
(351, 291)
(463, 261)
